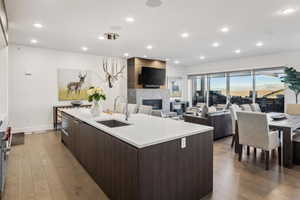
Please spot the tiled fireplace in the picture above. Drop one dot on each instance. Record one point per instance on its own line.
(159, 99)
(155, 103)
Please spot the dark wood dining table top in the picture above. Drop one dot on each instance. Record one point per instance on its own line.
(291, 121)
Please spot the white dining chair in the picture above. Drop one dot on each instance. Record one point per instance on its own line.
(246, 107)
(255, 107)
(253, 130)
(212, 109)
(233, 109)
(145, 109)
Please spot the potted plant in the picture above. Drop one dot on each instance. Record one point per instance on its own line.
(95, 95)
(292, 79)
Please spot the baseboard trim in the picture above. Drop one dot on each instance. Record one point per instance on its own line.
(35, 129)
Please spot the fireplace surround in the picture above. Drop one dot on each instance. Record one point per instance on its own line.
(159, 99)
(155, 103)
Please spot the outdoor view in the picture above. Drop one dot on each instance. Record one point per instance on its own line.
(217, 89)
(268, 88)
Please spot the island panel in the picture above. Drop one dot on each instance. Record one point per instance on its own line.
(158, 172)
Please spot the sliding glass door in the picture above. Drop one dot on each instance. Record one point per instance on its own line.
(217, 89)
(269, 90)
(241, 87)
(198, 90)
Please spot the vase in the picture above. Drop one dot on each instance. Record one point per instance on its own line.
(95, 110)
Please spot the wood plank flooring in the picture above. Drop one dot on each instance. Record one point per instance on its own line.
(43, 169)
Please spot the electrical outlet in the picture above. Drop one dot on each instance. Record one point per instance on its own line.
(183, 143)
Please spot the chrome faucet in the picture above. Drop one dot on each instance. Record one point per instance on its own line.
(126, 112)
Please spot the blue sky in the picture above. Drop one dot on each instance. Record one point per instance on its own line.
(245, 82)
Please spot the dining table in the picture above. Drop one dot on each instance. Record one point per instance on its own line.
(286, 127)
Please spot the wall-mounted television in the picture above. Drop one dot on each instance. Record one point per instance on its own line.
(153, 77)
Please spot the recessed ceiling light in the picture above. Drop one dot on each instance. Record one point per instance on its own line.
(259, 44)
(238, 51)
(38, 25)
(145, 56)
(101, 37)
(185, 35)
(126, 54)
(287, 11)
(130, 19)
(202, 57)
(84, 48)
(33, 41)
(216, 44)
(176, 62)
(149, 47)
(224, 29)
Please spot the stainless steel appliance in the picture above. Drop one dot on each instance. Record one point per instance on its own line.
(5, 145)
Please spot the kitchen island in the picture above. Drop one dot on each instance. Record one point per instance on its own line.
(144, 158)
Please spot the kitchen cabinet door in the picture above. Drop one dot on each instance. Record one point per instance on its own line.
(104, 162)
(67, 132)
(90, 152)
(124, 171)
(74, 132)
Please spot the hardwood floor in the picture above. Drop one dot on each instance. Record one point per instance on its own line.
(43, 169)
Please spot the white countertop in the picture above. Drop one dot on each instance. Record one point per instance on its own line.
(144, 130)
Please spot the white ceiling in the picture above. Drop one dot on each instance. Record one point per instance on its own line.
(71, 24)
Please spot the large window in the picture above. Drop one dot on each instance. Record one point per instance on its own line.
(198, 90)
(241, 87)
(217, 89)
(269, 89)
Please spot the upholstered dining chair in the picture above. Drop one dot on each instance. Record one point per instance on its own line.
(246, 107)
(145, 110)
(255, 107)
(200, 105)
(233, 109)
(212, 109)
(293, 109)
(253, 130)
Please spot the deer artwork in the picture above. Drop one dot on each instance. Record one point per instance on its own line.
(76, 86)
(112, 71)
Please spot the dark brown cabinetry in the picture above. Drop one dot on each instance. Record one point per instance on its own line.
(159, 172)
(68, 131)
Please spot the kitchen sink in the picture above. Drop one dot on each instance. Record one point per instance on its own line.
(112, 123)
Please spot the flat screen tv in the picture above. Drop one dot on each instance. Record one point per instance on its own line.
(153, 77)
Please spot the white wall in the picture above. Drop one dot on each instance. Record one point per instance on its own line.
(178, 71)
(291, 59)
(31, 97)
(4, 80)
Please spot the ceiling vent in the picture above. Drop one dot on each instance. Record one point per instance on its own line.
(153, 3)
(111, 36)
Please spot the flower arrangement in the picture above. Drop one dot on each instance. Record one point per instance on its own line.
(96, 94)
